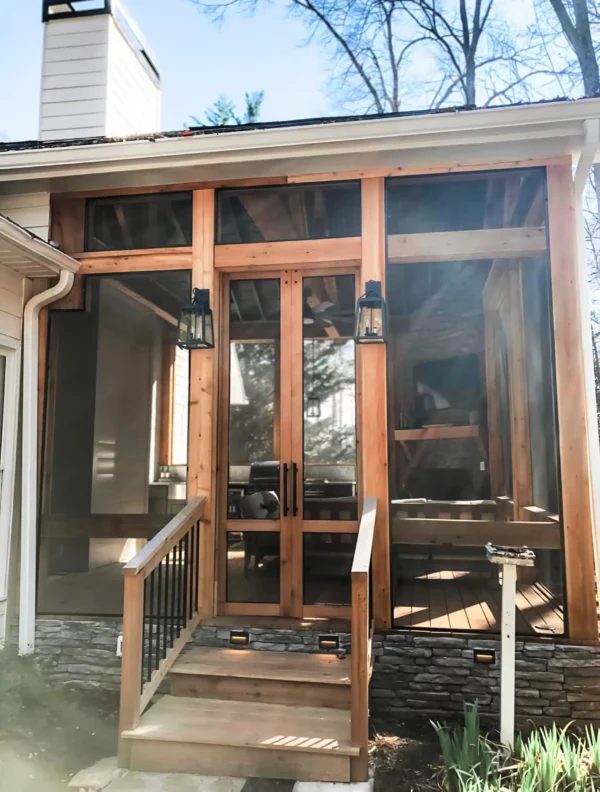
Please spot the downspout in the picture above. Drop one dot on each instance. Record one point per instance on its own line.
(591, 139)
(29, 485)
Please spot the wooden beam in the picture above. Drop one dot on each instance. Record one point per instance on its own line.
(167, 400)
(202, 454)
(133, 295)
(475, 533)
(573, 421)
(487, 243)
(135, 261)
(373, 386)
(284, 254)
(520, 443)
(67, 224)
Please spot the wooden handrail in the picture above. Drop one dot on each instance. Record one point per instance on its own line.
(361, 639)
(157, 548)
(160, 612)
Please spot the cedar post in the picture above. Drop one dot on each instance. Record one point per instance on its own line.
(573, 421)
(202, 422)
(373, 378)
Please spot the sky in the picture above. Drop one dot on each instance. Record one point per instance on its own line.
(198, 61)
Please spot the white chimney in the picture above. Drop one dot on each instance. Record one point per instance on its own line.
(98, 77)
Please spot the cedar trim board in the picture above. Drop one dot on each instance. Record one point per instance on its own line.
(135, 261)
(249, 664)
(292, 253)
(475, 533)
(307, 178)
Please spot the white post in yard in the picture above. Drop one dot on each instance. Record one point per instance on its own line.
(509, 558)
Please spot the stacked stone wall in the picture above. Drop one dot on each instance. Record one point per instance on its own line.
(413, 673)
(436, 675)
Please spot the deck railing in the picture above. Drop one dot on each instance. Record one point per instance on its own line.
(160, 611)
(361, 639)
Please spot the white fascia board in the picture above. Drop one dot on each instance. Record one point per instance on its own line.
(559, 121)
(36, 249)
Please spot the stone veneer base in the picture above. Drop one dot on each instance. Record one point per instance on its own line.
(414, 673)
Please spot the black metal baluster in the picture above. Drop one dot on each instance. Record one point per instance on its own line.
(158, 619)
(197, 566)
(150, 625)
(173, 592)
(192, 572)
(179, 586)
(184, 542)
(166, 606)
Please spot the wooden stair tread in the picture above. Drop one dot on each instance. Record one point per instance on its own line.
(246, 725)
(252, 664)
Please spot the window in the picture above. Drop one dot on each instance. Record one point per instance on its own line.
(139, 222)
(276, 214)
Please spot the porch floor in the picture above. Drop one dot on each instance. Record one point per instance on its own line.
(451, 600)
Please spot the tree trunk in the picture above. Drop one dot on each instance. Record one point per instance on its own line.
(470, 91)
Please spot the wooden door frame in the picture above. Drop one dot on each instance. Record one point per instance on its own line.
(291, 529)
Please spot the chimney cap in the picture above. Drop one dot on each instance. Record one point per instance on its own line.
(57, 9)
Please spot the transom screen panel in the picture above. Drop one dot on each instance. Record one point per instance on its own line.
(137, 222)
(277, 214)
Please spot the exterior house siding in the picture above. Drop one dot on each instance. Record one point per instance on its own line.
(11, 303)
(74, 73)
(29, 210)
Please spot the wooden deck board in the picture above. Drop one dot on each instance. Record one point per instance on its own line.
(250, 664)
(453, 601)
(246, 725)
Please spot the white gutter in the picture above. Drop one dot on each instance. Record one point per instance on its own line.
(550, 120)
(589, 150)
(29, 486)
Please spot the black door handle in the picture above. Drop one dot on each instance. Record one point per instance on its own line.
(294, 489)
(286, 508)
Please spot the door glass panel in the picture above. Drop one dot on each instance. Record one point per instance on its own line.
(253, 566)
(329, 399)
(327, 565)
(254, 355)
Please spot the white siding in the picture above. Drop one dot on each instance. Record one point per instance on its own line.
(30, 210)
(133, 98)
(74, 74)
(11, 302)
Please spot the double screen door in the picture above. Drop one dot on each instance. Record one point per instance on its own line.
(289, 474)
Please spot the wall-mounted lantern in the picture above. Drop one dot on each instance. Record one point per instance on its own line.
(313, 406)
(196, 323)
(371, 316)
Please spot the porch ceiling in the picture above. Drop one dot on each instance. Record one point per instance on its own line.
(27, 254)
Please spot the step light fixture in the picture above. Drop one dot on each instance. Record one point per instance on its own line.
(329, 643)
(239, 638)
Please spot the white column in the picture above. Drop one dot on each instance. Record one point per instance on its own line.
(507, 672)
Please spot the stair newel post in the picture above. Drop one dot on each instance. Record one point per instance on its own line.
(132, 660)
(360, 673)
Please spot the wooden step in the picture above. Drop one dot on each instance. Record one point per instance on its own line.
(239, 738)
(270, 677)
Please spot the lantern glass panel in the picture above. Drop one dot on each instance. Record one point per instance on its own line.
(313, 407)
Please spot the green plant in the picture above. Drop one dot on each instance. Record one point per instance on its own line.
(592, 744)
(469, 758)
